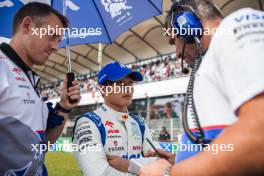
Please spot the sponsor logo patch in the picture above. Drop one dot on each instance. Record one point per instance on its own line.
(136, 147)
(28, 100)
(113, 131)
(126, 156)
(109, 123)
(23, 86)
(113, 136)
(86, 139)
(113, 149)
(87, 132)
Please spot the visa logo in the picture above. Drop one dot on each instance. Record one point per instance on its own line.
(133, 156)
(249, 17)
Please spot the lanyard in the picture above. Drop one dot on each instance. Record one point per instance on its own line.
(32, 81)
(15, 58)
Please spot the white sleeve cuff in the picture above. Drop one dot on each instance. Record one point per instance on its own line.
(136, 164)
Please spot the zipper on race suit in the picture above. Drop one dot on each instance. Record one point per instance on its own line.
(127, 139)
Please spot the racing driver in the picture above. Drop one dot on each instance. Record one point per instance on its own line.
(113, 141)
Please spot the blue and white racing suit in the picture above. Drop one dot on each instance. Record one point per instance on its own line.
(108, 132)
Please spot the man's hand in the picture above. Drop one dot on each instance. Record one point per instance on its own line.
(156, 168)
(165, 155)
(52, 134)
(74, 93)
(118, 163)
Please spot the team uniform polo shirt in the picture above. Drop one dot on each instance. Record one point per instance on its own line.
(231, 73)
(23, 116)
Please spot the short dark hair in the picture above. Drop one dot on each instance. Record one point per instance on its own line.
(34, 10)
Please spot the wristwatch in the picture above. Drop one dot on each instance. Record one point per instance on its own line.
(58, 107)
(167, 171)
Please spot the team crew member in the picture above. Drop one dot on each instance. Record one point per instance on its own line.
(25, 120)
(228, 93)
(111, 139)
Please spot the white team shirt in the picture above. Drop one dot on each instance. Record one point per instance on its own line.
(231, 72)
(23, 118)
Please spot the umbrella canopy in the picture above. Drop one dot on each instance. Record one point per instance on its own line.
(102, 21)
(8, 9)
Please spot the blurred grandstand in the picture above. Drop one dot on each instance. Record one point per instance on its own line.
(156, 69)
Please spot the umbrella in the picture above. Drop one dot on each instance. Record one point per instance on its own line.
(8, 9)
(102, 21)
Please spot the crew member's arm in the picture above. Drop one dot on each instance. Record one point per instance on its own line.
(246, 135)
(74, 92)
(91, 156)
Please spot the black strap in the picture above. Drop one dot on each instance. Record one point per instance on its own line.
(58, 107)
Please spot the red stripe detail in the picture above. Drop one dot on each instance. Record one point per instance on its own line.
(211, 127)
(40, 131)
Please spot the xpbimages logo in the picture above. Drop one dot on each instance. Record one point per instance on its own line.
(116, 88)
(66, 147)
(189, 147)
(71, 32)
(174, 32)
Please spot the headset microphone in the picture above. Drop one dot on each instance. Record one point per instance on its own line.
(189, 21)
(184, 70)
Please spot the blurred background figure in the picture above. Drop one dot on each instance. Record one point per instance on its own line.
(164, 135)
(169, 112)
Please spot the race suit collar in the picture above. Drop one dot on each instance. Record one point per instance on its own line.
(113, 113)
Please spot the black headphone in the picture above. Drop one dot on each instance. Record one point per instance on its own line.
(189, 21)
(187, 26)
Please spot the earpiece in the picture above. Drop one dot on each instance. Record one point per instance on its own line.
(188, 26)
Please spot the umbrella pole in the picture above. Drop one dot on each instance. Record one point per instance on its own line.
(100, 55)
(148, 106)
(100, 59)
(70, 74)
